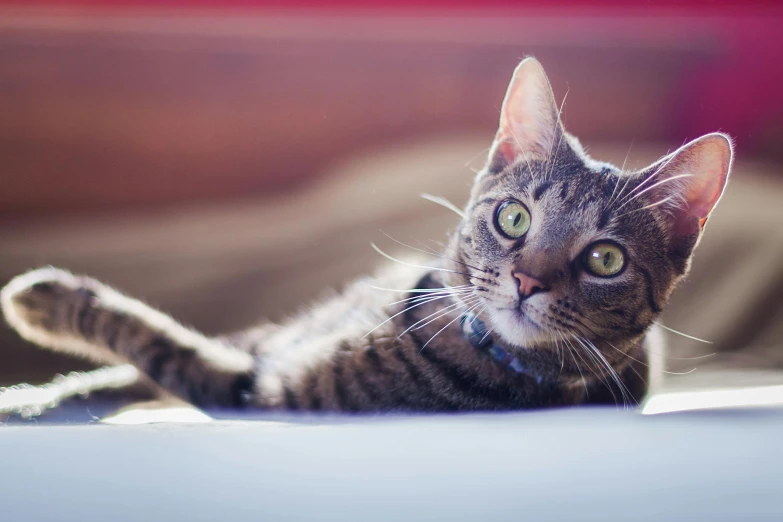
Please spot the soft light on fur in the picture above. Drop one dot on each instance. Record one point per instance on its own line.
(394, 341)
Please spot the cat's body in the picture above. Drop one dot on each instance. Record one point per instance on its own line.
(332, 357)
(545, 294)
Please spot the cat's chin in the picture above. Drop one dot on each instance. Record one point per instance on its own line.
(516, 328)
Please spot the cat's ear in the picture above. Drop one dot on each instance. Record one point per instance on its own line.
(688, 183)
(529, 117)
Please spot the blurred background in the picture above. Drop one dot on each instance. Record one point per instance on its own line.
(229, 160)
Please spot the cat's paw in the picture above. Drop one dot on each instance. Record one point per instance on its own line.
(41, 302)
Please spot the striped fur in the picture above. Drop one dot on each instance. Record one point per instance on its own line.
(585, 338)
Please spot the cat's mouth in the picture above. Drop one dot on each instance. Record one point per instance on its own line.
(517, 326)
(524, 316)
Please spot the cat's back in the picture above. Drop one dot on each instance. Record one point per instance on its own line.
(364, 306)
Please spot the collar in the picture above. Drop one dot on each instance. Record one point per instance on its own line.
(475, 331)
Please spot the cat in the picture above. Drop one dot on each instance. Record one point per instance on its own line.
(545, 294)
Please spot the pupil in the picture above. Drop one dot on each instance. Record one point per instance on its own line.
(517, 219)
(607, 257)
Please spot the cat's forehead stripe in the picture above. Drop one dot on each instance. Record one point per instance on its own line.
(541, 189)
(564, 190)
(603, 219)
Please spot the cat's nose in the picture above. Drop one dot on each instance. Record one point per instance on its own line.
(528, 285)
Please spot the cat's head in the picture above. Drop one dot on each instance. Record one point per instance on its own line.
(560, 245)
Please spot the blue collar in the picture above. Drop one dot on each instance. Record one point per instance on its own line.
(475, 331)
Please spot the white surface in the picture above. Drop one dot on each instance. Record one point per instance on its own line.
(576, 464)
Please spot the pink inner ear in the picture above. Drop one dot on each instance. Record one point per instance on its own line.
(710, 167)
(504, 148)
(528, 120)
(703, 194)
(702, 167)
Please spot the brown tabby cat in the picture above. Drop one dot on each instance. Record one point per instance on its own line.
(545, 294)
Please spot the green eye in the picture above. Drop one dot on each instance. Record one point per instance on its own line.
(604, 259)
(513, 219)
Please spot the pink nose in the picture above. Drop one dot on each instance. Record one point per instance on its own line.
(528, 285)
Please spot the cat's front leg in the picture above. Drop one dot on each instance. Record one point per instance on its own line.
(63, 312)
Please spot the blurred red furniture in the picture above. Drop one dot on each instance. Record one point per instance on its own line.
(111, 105)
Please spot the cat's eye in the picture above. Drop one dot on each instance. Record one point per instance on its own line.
(513, 219)
(604, 259)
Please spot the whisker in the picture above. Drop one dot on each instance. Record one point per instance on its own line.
(623, 387)
(599, 373)
(683, 334)
(426, 296)
(560, 354)
(657, 203)
(426, 246)
(423, 291)
(439, 243)
(627, 154)
(603, 339)
(560, 129)
(461, 305)
(443, 202)
(577, 352)
(430, 253)
(643, 183)
(571, 353)
(414, 325)
(651, 176)
(415, 290)
(475, 316)
(529, 166)
(622, 190)
(696, 358)
(654, 185)
(447, 247)
(645, 364)
(680, 373)
(390, 258)
(475, 156)
(611, 197)
(447, 325)
(631, 196)
(645, 381)
(489, 331)
(622, 169)
(403, 311)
